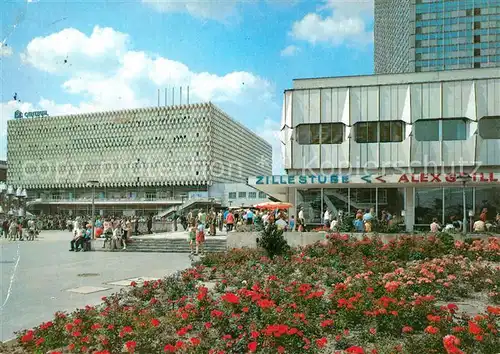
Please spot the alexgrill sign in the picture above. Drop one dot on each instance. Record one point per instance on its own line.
(37, 114)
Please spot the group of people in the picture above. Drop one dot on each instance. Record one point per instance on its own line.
(117, 232)
(481, 224)
(20, 229)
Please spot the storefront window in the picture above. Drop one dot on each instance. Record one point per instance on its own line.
(391, 200)
(336, 200)
(391, 132)
(428, 205)
(453, 203)
(489, 127)
(363, 198)
(310, 200)
(489, 198)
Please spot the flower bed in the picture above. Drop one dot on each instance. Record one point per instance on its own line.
(340, 295)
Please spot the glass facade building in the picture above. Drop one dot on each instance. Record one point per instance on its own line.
(435, 35)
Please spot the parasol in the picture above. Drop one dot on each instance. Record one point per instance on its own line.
(273, 205)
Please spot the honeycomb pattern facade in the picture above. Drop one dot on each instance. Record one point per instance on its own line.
(185, 145)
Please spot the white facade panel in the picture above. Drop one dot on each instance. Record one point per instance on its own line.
(431, 101)
(314, 106)
(300, 107)
(326, 106)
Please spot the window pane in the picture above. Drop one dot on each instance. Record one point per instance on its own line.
(427, 130)
(361, 132)
(454, 129)
(453, 203)
(314, 128)
(310, 201)
(332, 133)
(397, 131)
(487, 198)
(326, 133)
(252, 195)
(385, 132)
(262, 195)
(337, 133)
(303, 134)
(242, 194)
(489, 127)
(428, 205)
(366, 132)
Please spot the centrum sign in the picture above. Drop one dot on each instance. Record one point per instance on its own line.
(37, 114)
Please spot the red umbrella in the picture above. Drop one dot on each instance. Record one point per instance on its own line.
(273, 205)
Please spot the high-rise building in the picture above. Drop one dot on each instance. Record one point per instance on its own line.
(434, 35)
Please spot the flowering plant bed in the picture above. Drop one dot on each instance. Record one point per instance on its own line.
(340, 295)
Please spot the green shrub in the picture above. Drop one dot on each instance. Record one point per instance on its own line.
(273, 242)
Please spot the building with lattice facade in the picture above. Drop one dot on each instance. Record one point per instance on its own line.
(158, 156)
(434, 35)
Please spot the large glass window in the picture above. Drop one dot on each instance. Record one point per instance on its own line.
(366, 132)
(489, 127)
(441, 129)
(454, 129)
(326, 133)
(428, 205)
(489, 198)
(453, 203)
(426, 130)
(336, 200)
(310, 201)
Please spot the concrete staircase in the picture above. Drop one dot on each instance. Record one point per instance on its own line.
(174, 245)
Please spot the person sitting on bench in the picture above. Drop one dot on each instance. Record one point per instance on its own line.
(77, 241)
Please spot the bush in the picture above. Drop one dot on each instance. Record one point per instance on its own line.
(273, 242)
(347, 223)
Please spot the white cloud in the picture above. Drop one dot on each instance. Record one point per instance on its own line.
(347, 22)
(270, 131)
(290, 50)
(5, 51)
(206, 9)
(70, 49)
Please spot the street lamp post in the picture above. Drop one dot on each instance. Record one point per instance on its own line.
(464, 179)
(93, 184)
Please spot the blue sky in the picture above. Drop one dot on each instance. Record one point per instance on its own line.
(76, 56)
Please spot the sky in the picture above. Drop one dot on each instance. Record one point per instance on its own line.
(75, 56)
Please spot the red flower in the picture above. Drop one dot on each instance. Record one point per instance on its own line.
(208, 325)
(133, 284)
(474, 328)
(355, 350)
(195, 341)
(39, 341)
(431, 330)
(231, 298)
(28, 337)
(452, 307)
(407, 329)
(252, 346)
(155, 322)
(320, 343)
(169, 348)
(130, 346)
(493, 310)
(373, 331)
(432, 318)
(254, 334)
(326, 323)
(281, 349)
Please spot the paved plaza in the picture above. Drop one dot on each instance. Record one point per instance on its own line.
(42, 277)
